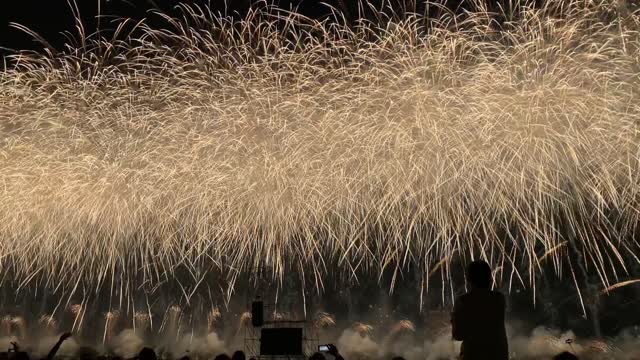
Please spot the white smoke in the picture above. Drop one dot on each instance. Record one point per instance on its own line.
(357, 346)
(127, 343)
(41, 348)
(543, 343)
(201, 346)
(442, 347)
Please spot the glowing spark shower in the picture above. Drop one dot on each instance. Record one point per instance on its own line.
(148, 173)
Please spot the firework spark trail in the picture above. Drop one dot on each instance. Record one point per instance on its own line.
(399, 147)
(111, 320)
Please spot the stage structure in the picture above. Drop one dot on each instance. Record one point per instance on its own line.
(280, 337)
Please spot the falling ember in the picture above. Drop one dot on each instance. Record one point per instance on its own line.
(619, 285)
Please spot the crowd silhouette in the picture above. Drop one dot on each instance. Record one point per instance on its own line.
(478, 320)
(485, 353)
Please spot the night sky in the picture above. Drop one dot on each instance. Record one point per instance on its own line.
(51, 17)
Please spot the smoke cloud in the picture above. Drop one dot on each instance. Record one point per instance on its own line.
(127, 343)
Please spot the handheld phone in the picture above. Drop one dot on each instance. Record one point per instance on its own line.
(323, 348)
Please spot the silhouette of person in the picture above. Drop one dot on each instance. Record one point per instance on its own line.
(222, 357)
(333, 350)
(478, 318)
(147, 354)
(238, 355)
(20, 355)
(565, 356)
(317, 356)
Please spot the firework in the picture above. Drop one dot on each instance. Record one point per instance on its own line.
(175, 317)
(362, 328)
(403, 326)
(212, 317)
(110, 321)
(78, 312)
(245, 320)
(142, 321)
(429, 132)
(324, 320)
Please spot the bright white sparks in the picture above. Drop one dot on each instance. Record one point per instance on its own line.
(241, 145)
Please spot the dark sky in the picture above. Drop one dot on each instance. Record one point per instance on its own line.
(51, 17)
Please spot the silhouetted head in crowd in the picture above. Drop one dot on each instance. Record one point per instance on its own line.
(185, 358)
(147, 354)
(317, 356)
(223, 357)
(479, 275)
(565, 356)
(87, 353)
(239, 355)
(397, 358)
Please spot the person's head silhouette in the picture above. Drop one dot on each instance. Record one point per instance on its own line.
(147, 354)
(222, 357)
(238, 355)
(317, 356)
(565, 356)
(479, 275)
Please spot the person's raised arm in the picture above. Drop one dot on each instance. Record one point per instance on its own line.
(56, 347)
